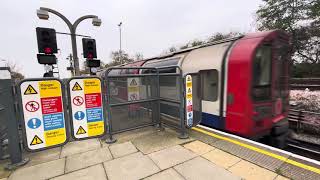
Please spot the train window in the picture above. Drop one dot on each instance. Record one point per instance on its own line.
(209, 85)
(262, 74)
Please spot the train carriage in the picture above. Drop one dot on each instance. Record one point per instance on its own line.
(240, 85)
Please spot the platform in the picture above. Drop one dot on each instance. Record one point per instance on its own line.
(149, 154)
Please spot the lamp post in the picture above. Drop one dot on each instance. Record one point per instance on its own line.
(120, 52)
(43, 14)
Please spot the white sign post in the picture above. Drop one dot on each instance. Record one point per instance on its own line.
(43, 113)
(189, 109)
(86, 108)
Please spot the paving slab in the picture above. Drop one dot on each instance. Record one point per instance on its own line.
(119, 150)
(200, 168)
(221, 158)
(86, 159)
(169, 174)
(171, 156)
(198, 147)
(91, 173)
(130, 135)
(158, 140)
(249, 171)
(133, 166)
(40, 171)
(76, 147)
(43, 156)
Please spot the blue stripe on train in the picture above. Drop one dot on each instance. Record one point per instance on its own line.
(213, 121)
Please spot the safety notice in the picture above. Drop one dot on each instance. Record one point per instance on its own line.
(43, 113)
(133, 89)
(189, 109)
(86, 107)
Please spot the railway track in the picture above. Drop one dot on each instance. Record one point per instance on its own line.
(304, 149)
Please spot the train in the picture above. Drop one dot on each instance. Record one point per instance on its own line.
(240, 84)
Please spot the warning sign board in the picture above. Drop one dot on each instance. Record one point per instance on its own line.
(189, 109)
(43, 113)
(133, 89)
(86, 107)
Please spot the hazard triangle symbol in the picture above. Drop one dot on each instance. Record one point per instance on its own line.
(36, 140)
(81, 131)
(133, 82)
(76, 87)
(30, 90)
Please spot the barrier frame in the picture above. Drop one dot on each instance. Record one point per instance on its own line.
(65, 112)
(70, 112)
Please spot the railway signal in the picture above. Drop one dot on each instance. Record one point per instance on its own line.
(89, 48)
(47, 46)
(90, 53)
(47, 42)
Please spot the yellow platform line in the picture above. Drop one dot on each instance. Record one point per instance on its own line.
(289, 161)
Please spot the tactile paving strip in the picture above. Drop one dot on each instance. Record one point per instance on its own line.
(249, 155)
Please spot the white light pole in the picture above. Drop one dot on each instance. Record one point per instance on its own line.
(120, 51)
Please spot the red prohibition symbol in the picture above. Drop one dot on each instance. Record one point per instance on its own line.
(78, 100)
(32, 106)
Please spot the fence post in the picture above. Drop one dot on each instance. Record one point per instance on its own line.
(183, 133)
(110, 139)
(11, 121)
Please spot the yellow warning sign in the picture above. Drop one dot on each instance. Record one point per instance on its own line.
(36, 140)
(81, 131)
(133, 83)
(189, 90)
(30, 90)
(76, 87)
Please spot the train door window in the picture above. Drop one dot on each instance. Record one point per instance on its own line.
(209, 85)
(262, 73)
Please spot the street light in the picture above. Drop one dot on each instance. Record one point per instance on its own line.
(43, 13)
(120, 52)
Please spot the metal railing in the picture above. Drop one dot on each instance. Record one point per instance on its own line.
(305, 121)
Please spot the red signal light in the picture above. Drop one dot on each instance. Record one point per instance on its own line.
(90, 56)
(47, 50)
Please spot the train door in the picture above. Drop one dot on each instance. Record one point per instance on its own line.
(209, 96)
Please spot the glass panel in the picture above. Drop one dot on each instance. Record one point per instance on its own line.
(262, 67)
(169, 87)
(262, 74)
(209, 81)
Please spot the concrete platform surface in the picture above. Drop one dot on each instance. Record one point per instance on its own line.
(140, 154)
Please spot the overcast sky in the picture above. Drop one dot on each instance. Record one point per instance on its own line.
(149, 26)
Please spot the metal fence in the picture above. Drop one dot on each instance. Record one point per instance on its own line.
(137, 97)
(304, 121)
